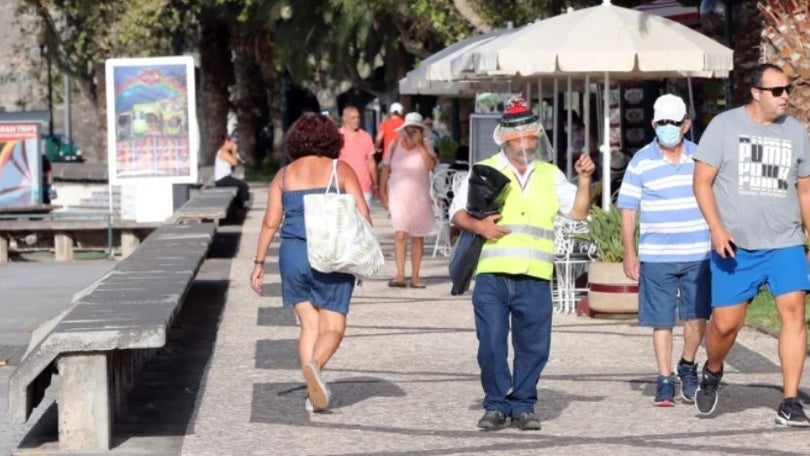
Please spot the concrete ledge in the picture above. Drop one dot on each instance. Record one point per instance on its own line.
(123, 315)
(66, 232)
(208, 205)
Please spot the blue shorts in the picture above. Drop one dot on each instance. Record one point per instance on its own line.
(737, 280)
(667, 289)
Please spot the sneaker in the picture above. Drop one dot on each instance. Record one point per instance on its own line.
(316, 388)
(308, 406)
(665, 391)
(791, 413)
(492, 421)
(687, 373)
(706, 395)
(526, 421)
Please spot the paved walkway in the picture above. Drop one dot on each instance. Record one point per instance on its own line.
(405, 380)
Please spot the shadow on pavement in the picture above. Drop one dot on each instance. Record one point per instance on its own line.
(283, 403)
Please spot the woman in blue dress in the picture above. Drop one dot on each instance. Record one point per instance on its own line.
(320, 300)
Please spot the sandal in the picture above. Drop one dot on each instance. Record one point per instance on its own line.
(418, 285)
(394, 283)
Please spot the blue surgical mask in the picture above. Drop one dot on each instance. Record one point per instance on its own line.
(668, 135)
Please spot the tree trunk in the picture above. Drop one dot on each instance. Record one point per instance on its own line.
(217, 76)
(100, 154)
(270, 130)
(466, 10)
(785, 40)
(249, 97)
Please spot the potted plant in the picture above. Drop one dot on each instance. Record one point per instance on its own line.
(609, 290)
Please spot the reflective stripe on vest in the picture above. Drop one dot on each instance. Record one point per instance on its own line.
(516, 252)
(528, 249)
(532, 231)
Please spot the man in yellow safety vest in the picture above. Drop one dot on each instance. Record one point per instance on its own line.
(516, 264)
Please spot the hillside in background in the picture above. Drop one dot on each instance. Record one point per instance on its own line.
(23, 82)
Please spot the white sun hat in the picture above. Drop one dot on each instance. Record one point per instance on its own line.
(412, 119)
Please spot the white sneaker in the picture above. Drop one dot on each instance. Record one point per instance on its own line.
(308, 405)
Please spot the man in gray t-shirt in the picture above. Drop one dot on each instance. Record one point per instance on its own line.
(752, 183)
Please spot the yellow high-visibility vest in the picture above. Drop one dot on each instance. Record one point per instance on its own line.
(529, 248)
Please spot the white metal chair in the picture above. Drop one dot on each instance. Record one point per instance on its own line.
(571, 259)
(441, 194)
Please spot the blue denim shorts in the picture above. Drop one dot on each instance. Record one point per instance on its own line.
(670, 290)
(736, 280)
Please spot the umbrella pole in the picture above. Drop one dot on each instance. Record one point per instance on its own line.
(529, 95)
(586, 115)
(691, 107)
(606, 146)
(556, 127)
(569, 166)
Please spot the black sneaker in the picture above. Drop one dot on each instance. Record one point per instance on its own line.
(687, 373)
(706, 395)
(791, 413)
(526, 421)
(492, 421)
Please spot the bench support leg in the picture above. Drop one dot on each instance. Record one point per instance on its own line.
(63, 247)
(3, 249)
(85, 422)
(129, 243)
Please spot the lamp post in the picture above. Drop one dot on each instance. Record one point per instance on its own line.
(43, 45)
(717, 18)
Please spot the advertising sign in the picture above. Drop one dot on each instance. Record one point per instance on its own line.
(20, 165)
(151, 120)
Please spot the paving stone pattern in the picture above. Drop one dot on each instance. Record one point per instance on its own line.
(405, 381)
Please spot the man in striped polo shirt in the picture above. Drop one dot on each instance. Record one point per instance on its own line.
(672, 263)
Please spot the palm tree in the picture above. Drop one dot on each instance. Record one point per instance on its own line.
(785, 40)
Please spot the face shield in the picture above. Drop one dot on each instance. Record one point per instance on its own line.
(524, 143)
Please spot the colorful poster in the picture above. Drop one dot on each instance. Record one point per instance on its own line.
(151, 120)
(20, 166)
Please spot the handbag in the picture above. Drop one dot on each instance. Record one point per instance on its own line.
(339, 239)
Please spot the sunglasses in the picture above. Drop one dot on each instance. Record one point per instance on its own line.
(777, 91)
(661, 123)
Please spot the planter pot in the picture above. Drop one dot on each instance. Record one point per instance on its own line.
(609, 290)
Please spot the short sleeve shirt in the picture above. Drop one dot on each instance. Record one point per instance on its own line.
(757, 169)
(356, 149)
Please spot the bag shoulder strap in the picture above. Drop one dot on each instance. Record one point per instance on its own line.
(333, 178)
(284, 179)
(392, 149)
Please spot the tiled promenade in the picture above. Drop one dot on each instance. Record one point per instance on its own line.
(405, 380)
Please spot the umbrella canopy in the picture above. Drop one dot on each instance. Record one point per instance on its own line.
(415, 83)
(433, 75)
(604, 38)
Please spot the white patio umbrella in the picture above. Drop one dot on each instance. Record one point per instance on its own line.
(604, 40)
(415, 83)
(432, 75)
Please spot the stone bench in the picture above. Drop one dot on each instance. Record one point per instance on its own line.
(99, 343)
(207, 205)
(66, 232)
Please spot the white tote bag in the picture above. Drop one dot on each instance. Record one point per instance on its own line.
(339, 239)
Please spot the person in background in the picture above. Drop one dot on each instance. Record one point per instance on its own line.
(514, 272)
(405, 191)
(226, 159)
(672, 264)
(47, 179)
(752, 183)
(432, 135)
(320, 300)
(387, 132)
(358, 152)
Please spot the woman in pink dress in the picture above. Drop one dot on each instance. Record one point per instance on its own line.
(405, 191)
